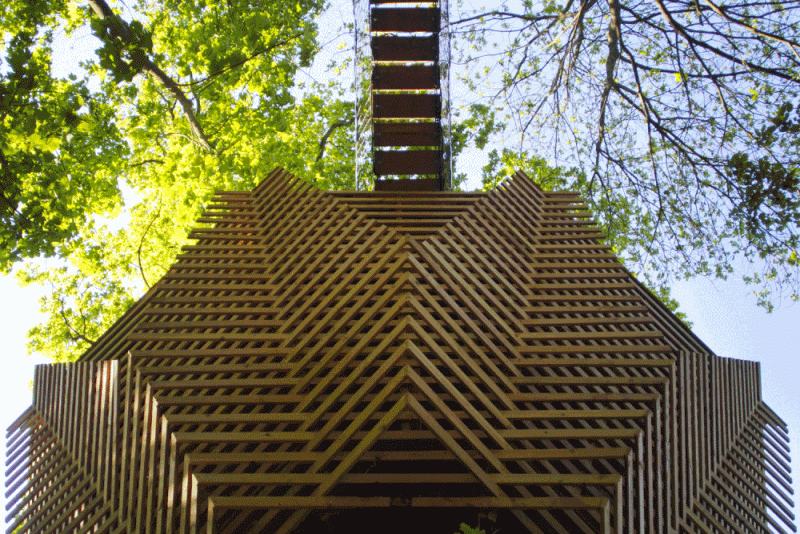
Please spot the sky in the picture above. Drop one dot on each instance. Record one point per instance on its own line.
(724, 314)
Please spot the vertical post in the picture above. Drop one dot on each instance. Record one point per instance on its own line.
(362, 67)
(446, 172)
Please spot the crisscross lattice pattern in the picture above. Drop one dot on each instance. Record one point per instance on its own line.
(357, 361)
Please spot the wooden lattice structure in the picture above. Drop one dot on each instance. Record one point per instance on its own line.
(399, 362)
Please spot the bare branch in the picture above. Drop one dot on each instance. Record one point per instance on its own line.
(610, 82)
(683, 32)
(794, 45)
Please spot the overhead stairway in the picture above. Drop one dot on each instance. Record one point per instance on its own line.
(406, 96)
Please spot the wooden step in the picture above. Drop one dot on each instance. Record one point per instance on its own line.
(422, 184)
(406, 134)
(387, 2)
(388, 163)
(406, 106)
(392, 48)
(414, 77)
(405, 19)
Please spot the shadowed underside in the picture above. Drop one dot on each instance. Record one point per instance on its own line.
(339, 362)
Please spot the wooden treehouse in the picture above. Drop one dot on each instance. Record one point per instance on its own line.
(402, 362)
(398, 361)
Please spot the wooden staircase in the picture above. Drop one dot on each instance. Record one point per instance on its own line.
(406, 96)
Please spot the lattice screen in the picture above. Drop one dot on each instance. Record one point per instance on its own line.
(398, 362)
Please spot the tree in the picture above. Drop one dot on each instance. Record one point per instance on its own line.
(178, 100)
(59, 149)
(185, 79)
(661, 104)
(184, 98)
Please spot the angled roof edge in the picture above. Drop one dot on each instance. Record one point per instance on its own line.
(113, 344)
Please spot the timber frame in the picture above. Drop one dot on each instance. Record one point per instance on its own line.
(361, 361)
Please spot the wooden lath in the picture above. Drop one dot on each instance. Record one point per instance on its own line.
(322, 360)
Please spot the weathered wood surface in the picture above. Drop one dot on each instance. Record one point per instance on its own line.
(425, 355)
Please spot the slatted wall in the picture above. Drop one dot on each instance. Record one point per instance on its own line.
(331, 362)
(62, 459)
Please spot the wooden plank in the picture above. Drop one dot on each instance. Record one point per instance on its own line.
(586, 321)
(328, 502)
(406, 134)
(271, 479)
(404, 184)
(406, 162)
(572, 336)
(407, 48)
(406, 106)
(221, 383)
(422, 456)
(225, 418)
(217, 400)
(242, 437)
(214, 368)
(405, 20)
(532, 415)
(592, 380)
(388, 77)
(585, 397)
(594, 349)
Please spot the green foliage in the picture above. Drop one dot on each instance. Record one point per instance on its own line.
(466, 529)
(662, 107)
(59, 148)
(180, 100)
(124, 58)
(766, 197)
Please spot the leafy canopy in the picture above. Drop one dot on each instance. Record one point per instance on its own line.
(678, 114)
(687, 153)
(178, 100)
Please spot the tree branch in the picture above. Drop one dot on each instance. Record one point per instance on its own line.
(324, 140)
(791, 44)
(611, 63)
(141, 244)
(120, 29)
(74, 335)
(240, 63)
(145, 162)
(683, 32)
